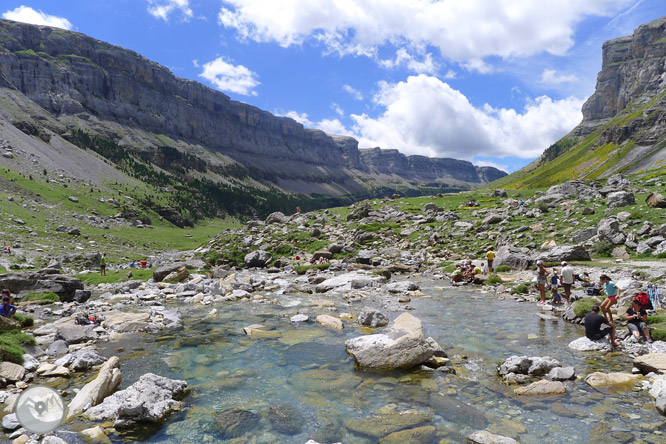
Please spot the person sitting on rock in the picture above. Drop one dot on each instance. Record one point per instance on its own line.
(612, 293)
(593, 331)
(7, 310)
(637, 320)
(456, 276)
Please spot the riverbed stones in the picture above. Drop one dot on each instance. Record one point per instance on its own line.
(285, 419)
(658, 392)
(416, 435)
(561, 374)
(331, 322)
(382, 425)
(485, 437)
(585, 344)
(533, 366)
(57, 348)
(600, 379)
(542, 388)
(403, 346)
(651, 362)
(12, 372)
(75, 334)
(52, 370)
(95, 435)
(81, 360)
(299, 318)
(372, 318)
(457, 411)
(151, 399)
(234, 423)
(95, 391)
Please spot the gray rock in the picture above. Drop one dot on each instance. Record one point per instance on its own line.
(336, 247)
(372, 318)
(151, 399)
(285, 419)
(485, 437)
(164, 271)
(75, 334)
(533, 366)
(10, 422)
(516, 258)
(81, 360)
(584, 234)
(82, 296)
(365, 256)
(73, 199)
(656, 200)
(12, 372)
(30, 363)
(609, 229)
(562, 374)
(299, 318)
(619, 199)
(42, 281)
(57, 348)
(564, 253)
(585, 344)
(276, 218)
(400, 287)
(643, 248)
(234, 423)
(258, 258)
(492, 219)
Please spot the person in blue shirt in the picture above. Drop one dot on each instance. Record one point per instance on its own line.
(7, 310)
(612, 293)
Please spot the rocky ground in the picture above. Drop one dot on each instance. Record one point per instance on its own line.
(370, 255)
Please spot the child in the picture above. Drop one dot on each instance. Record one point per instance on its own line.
(554, 281)
(612, 293)
(557, 297)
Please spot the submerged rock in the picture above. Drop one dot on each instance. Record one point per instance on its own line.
(372, 318)
(485, 437)
(599, 379)
(542, 388)
(234, 423)
(382, 425)
(523, 365)
(285, 419)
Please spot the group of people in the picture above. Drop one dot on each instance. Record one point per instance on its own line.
(565, 279)
(465, 272)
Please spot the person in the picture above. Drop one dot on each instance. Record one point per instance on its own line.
(132, 264)
(323, 222)
(554, 283)
(456, 276)
(7, 310)
(637, 320)
(490, 256)
(542, 275)
(567, 280)
(298, 210)
(593, 331)
(6, 292)
(102, 265)
(144, 263)
(612, 293)
(9, 250)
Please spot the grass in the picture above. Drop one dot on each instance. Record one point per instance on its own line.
(11, 343)
(41, 298)
(494, 279)
(584, 306)
(523, 288)
(25, 321)
(503, 269)
(115, 276)
(302, 269)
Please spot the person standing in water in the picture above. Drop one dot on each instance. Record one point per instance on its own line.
(542, 274)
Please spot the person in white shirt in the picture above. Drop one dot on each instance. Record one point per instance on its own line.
(567, 279)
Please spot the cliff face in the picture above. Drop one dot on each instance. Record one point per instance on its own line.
(121, 94)
(624, 121)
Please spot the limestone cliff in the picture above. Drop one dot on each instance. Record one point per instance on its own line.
(85, 83)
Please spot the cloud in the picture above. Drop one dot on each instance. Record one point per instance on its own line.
(482, 162)
(551, 77)
(163, 8)
(339, 111)
(329, 126)
(26, 14)
(354, 92)
(403, 58)
(465, 32)
(451, 74)
(227, 77)
(424, 115)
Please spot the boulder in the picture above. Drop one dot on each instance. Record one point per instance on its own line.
(403, 346)
(652, 362)
(285, 419)
(413, 435)
(276, 218)
(656, 200)
(43, 281)
(564, 253)
(485, 437)
(326, 254)
(492, 219)
(81, 360)
(178, 275)
(401, 287)
(542, 388)
(499, 193)
(75, 334)
(600, 379)
(82, 296)
(57, 348)
(151, 399)
(619, 199)
(514, 257)
(609, 229)
(330, 322)
(8, 324)
(372, 318)
(10, 422)
(258, 258)
(523, 365)
(52, 370)
(585, 344)
(11, 372)
(360, 212)
(234, 423)
(382, 425)
(336, 247)
(30, 363)
(561, 374)
(95, 435)
(164, 271)
(344, 281)
(620, 252)
(94, 392)
(658, 392)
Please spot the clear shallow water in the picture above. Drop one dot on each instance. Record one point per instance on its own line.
(307, 369)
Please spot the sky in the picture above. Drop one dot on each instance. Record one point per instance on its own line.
(494, 82)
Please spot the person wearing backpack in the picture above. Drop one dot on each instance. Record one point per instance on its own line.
(637, 320)
(612, 293)
(644, 300)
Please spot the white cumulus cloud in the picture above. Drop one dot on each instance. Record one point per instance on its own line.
(228, 77)
(463, 31)
(404, 58)
(354, 92)
(329, 126)
(424, 115)
(26, 14)
(162, 9)
(551, 77)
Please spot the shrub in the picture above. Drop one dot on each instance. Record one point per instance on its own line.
(584, 306)
(302, 269)
(503, 269)
(25, 321)
(11, 345)
(521, 289)
(603, 248)
(41, 298)
(658, 335)
(543, 207)
(493, 279)
(283, 250)
(662, 255)
(656, 319)
(211, 258)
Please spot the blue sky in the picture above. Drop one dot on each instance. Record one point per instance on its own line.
(490, 81)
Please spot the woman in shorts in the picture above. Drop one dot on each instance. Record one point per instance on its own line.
(542, 275)
(612, 293)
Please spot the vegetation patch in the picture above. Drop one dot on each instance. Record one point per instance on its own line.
(494, 279)
(584, 306)
(25, 321)
(523, 288)
(503, 269)
(11, 343)
(115, 276)
(302, 269)
(41, 298)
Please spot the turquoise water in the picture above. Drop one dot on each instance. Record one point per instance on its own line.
(307, 370)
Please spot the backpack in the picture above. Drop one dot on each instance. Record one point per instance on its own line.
(594, 290)
(644, 300)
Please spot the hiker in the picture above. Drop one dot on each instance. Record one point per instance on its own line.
(144, 263)
(132, 264)
(7, 310)
(612, 293)
(490, 256)
(456, 276)
(102, 265)
(298, 210)
(323, 222)
(637, 320)
(593, 331)
(554, 284)
(542, 275)
(567, 280)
